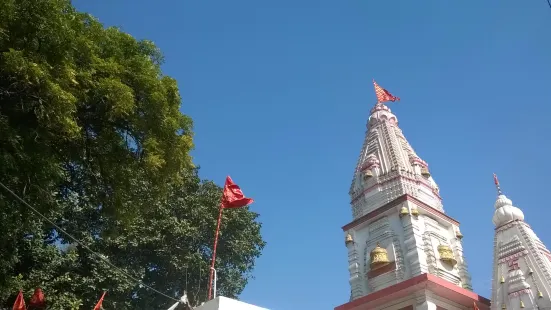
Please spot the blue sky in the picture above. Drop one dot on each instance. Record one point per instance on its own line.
(280, 92)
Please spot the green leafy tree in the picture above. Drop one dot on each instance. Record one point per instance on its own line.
(92, 136)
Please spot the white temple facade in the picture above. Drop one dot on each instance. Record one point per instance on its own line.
(404, 251)
(522, 264)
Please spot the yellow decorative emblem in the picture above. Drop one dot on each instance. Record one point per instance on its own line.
(348, 239)
(379, 257)
(446, 254)
(425, 172)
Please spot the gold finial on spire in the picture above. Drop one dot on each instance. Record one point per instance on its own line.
(496, 182)
(348, 240)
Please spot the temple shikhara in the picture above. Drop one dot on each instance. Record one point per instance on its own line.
(405, 252)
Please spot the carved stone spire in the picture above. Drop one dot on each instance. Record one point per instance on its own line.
(397, 210)
(522, 264)
(388, 167)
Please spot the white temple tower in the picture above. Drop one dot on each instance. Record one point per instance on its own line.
(404, 252)
(522, 264)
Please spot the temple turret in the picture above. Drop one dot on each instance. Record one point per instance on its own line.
(387, 159)
(522, 264)
(399, 231)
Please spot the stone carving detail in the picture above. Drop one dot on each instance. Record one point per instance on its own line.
(430, 254)
(523, 228)
(462, 266)
(379, 224)
(380, 232)
(432, 259)
(353, 267)
(513, 248)
(517, 283)
(371, 162)
(431, 224)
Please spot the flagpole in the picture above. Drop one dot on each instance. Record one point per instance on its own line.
(214, 250)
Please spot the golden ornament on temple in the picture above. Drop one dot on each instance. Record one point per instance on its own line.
(502, 280)
(404, 211)
(503, 306)
(367, 174)
(530, 271)
(446, 254)
(348, 239)
(521, 304)
(540, 294)
(425, 172)
(414, 211)
(379, 257)
(458, 235)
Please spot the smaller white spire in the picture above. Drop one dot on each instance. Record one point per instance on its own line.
(505, 211)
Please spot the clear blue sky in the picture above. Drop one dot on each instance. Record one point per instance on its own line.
(280, 92)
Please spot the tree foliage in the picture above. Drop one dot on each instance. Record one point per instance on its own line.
(92, 136)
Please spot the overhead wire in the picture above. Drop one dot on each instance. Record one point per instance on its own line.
(98, 255)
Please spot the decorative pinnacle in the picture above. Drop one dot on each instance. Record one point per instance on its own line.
(496, 182)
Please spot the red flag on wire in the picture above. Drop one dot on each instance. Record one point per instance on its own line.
(475, 307)
(383, 95)
(37, 300)
(98, 305)
(233, 197)
(19, 303)
(496, 181)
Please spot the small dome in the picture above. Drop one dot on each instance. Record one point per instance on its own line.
(380, 107)
(381, 112)
(502, 201)
(506, 212)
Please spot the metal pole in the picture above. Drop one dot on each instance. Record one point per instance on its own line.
(214, 249)
(215, 279)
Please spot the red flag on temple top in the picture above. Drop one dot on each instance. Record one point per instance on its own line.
(98, 305)
(475, 307)
(19, 303)
(37, 300)
(233, 197)
(383, 95)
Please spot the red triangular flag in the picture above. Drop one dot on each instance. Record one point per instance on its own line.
(475, 307)
(37, 300)
(383, 95)
(19, 303)
(98, 305)
(233, 197)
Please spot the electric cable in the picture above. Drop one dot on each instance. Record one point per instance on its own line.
(100, 256)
